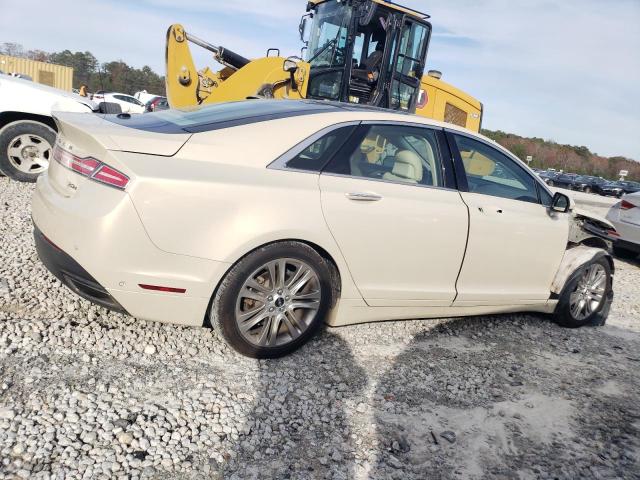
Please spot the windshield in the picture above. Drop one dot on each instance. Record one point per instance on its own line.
(328, 37)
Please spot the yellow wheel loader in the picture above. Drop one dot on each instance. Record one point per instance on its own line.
(369, 52)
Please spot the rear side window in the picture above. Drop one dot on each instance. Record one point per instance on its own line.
(393, 153)
(317, 155)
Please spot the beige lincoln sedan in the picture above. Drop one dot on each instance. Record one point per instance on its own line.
(265, 219)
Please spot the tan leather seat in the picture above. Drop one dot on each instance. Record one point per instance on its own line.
(407, 168)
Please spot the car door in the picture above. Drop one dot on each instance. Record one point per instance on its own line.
(388, 200)
(515, 243)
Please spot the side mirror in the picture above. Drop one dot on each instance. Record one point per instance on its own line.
(291, 64)
(560, 203)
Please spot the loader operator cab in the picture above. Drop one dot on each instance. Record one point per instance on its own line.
(369, 52)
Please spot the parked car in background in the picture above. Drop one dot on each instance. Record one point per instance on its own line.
(625, 217)
(98, 96)
(588, 183)
(564, 180)
(27, 129)
(144, 96)
(157, 104)
(127, 103)
(609, 189)
(548, 176)
(629, 187)
(293, 213)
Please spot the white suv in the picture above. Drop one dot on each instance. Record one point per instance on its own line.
(27, 129)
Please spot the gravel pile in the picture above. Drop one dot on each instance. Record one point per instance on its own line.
(86, 393)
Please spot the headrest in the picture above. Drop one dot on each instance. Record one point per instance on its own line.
(408, 165)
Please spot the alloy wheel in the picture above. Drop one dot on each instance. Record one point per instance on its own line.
(29, 153)
(278, 302)
(588, 295)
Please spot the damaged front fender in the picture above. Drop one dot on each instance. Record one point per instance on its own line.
(573, 259)
(591, 230)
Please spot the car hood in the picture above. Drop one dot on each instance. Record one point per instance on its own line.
(79, 127)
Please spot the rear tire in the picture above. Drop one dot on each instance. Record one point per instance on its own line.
(585, 300)
(26, 149)
(263, 315)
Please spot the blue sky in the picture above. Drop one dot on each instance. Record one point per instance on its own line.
(567, 71)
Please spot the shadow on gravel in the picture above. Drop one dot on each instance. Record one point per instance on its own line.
(299, 425)
(505, 398)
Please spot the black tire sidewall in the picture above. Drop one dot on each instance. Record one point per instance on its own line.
(11, 131)
(224, 304)
(563, 310)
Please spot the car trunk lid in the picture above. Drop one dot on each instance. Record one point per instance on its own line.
(89, 135)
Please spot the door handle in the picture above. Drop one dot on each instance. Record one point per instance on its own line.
(364, 197)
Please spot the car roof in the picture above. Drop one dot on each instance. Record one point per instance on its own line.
(226, 115)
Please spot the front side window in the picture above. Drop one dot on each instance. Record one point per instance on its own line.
(396, 153)
(490, 172)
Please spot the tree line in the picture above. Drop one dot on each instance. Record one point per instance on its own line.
(115, 76)
(548, 154)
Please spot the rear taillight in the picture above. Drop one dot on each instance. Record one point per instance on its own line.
(84, 166)
(624, 205)
(90, 167)
(111, 176)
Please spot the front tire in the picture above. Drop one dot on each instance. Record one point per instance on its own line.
(26, 148)
(586, 298)
(273, 300)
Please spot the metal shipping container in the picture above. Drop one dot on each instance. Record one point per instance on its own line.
(46, 73)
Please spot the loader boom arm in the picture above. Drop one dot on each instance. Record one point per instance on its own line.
(240, 79)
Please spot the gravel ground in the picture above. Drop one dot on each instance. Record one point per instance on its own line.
(85, 393)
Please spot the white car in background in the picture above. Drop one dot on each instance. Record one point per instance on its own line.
(145, 97)
(625, 217)
(266, 218)
(27, 129)
(128, 103)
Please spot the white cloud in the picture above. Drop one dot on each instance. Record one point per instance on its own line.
(564, 70)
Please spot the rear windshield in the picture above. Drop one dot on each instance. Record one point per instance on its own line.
(218, 116)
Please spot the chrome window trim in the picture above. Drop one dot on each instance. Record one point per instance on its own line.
(392, 182)
(496, 146)
(280, 163)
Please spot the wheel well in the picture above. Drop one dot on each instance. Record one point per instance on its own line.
(336, 279)
(9, 117)
(595, 242)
